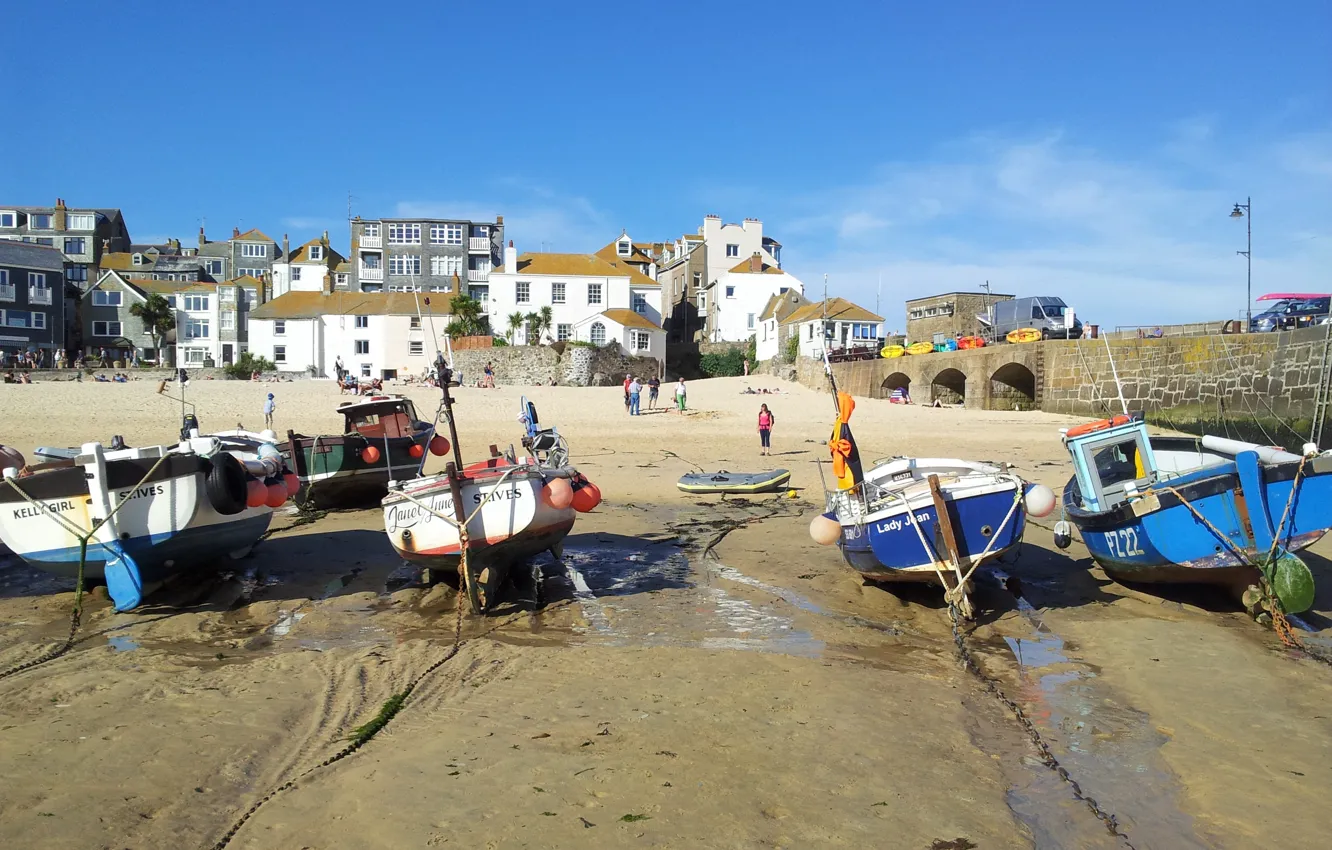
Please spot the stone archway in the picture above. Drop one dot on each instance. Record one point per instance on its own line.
(1012, 387)
(895, 381)
(949, 387)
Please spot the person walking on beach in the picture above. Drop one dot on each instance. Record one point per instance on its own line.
(628, 379)
(746, 367)
(635, 397)
(680, 396)
(339, 369)
(654, 384)
(765, 422)
(270, 407)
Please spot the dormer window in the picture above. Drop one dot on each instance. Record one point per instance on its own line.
(40, 221)
(622, 248)
(316, 253)
(8, 218)
(138, 259)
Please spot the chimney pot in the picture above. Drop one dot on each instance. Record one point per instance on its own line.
(499, 219)
(235, 232)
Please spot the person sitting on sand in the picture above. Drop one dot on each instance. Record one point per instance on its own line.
(26, 379)
(254, 376)
(100, 378)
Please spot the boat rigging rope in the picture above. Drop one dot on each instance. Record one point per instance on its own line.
(76, 615)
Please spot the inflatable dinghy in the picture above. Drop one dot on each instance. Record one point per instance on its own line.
(734, 482)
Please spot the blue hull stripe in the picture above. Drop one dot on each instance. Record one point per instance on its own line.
(892, 544)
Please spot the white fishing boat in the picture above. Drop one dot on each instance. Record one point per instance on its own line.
(513, 507)
(147, 513)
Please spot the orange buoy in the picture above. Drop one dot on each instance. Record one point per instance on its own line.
(416, 451)
(277, 494)
(293, 483)
(586, 495)
(439, 446)
(558, 494)
(370, 454)
(256, 493)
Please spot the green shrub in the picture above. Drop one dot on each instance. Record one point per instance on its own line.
(792, 348)
(498, 342)
(248, 364)
(727, 364)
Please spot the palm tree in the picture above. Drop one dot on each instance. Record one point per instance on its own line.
(158, 317)
(515, 322)
(533, 328)
(547, 316)
(468, 319)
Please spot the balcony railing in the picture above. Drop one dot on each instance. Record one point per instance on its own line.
(39, 295)
(478, 275)
(7, 293)
(479, 243)
(372, 241)
(372, 274)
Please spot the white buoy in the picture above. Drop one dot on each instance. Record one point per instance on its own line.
(1039, 500)
(825, 530)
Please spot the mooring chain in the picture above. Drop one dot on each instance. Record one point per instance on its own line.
(363, 734)
(1047, 756)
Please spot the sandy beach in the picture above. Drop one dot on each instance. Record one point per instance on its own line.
(704, 676)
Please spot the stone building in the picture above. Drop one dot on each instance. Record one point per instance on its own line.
(953, 314)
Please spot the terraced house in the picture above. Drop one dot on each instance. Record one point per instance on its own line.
(424, 255)
(81, 234)
(32, 303)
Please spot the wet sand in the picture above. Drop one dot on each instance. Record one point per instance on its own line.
(757, 696)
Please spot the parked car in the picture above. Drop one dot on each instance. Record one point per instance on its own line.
(1045, 313)
(1291, 310)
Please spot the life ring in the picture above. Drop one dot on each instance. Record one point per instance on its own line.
(1098, 425)
(226, 484)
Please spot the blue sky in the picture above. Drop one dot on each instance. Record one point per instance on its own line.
(1084, 150)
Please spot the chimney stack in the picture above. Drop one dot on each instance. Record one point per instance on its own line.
(60, 217)
(510, 258)
(499, 221)
(756, 263)
(235, 232)
(286, 248)
(325, 239)
(203, 240)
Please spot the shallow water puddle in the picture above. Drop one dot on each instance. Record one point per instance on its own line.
(122, 643)
(655, 599)
(1111, 749)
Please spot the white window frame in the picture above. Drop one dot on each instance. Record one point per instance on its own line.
(32, 221)
(558, 293)
(295, 272)
(106, 329)
(414, 323)
(80, 221)
(624, 248)
(258, 250)
(257, 274)
(453, 234)
(732, 250)
(361, 322)
(279, 354)
(38, 321)
(416, 348)
(82, 246)
(36, 280)
(280, 327)
(194, 354)
(370, 229)
(594, 289)
(642, 340)
(404, 233)
(592, 333)
(213, 266)
(749, 321)
(227, 321)
(197, 328)
(316, 253)
(639, 300)
(404, 265)
(106, 298)
(702, 301)
(361, 346)
(522, 292)
(8, 218)
(195, 303)
(563, 332)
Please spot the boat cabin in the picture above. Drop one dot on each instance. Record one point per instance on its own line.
(381, 416)
(1112, 461)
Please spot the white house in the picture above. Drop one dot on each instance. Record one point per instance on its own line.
(836, 323)
(740, 294)
(591, 299)
(377, 334)
(771, 336)
(313, 267)
(728, 244)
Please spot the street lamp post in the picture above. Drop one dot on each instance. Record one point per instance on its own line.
(1243, 211)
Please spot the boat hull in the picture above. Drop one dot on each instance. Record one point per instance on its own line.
(886, 547)
(1160, 540)
(335, 474)
(166, 525)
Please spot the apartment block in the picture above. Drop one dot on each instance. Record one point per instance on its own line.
(32, 303)
(424, 255)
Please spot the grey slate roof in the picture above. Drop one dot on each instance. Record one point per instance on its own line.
(25, 255)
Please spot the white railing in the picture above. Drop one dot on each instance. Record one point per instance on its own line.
(371, 274)
(7, 293)
(39, 295)
(478, 275)
(372, 241)
(479, 243)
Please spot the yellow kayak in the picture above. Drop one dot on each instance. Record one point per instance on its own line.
(892, 351)
(920, 348)
(1024, 335)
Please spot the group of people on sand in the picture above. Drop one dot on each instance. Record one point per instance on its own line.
(17, 378)
(633, 394)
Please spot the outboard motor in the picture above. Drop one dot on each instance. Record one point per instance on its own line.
(188, 424)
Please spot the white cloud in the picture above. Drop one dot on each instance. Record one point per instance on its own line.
(1126, 241)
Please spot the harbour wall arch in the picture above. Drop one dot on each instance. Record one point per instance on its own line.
(1012, 387)
(895, 381)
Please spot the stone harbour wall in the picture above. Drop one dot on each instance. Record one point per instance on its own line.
(576, 365)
